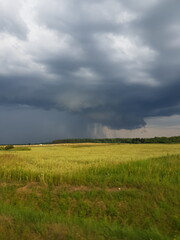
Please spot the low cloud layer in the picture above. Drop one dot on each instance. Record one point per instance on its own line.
(104, 63)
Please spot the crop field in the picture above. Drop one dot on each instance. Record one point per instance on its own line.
(90, 191)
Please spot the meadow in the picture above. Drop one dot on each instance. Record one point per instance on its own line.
(90, 191)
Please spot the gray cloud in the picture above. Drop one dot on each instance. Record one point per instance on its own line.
(11, 20)
(106, 63)
(24, 124)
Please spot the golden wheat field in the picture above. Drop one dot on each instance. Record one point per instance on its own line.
(90, 192)
(67, 158)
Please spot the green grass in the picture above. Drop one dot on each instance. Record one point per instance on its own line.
(21, 148)
(99, 192)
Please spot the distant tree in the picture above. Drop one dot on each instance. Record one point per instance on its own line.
(9, 147)
(123, 140)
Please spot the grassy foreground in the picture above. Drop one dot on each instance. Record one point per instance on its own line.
(91, 192)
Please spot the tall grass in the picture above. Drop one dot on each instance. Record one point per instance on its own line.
(53, 164)
(127, 192)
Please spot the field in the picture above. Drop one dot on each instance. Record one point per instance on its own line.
(90, 191)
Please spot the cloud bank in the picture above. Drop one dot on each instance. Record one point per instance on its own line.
(104, 63)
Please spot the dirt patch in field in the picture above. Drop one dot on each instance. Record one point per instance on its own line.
(56, 231)
(33, 187)
(6, 184)
(6, 219)
(83, 188)
(6, 223)
(37, 188)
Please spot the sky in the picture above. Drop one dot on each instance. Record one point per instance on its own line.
(78, 69)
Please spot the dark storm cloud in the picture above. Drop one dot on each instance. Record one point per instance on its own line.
(26, 124)
(158, 23)
(114, 63)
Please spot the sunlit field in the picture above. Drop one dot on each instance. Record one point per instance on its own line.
(52, 163)
(90, 191)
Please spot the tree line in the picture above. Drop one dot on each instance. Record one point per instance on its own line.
(120, 140)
